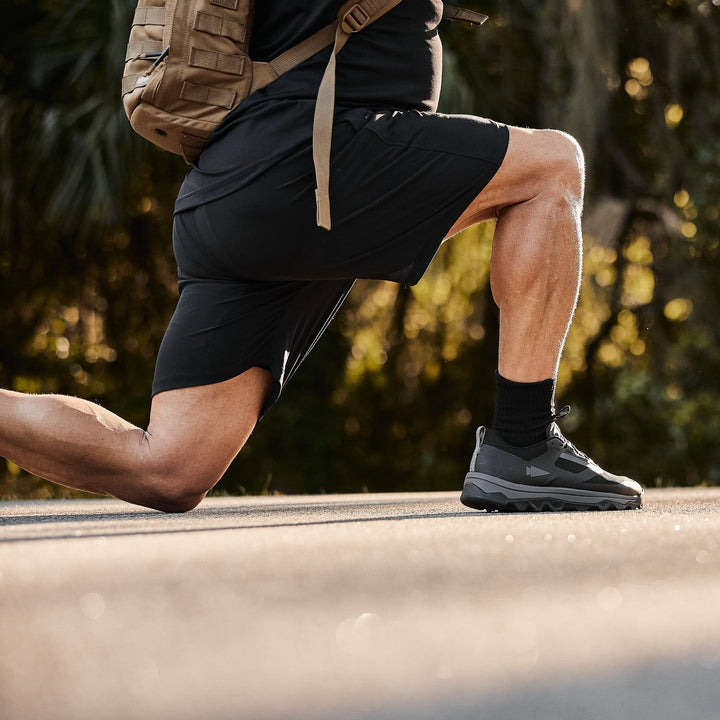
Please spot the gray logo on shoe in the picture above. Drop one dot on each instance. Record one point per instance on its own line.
(532, 471)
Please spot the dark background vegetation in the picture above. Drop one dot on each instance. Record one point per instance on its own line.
(391, 395)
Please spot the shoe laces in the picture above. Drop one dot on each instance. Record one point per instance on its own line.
(563, 412)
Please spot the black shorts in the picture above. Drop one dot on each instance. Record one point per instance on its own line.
(260, 282)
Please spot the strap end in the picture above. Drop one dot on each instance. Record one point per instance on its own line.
(450, 12)
(323, 210)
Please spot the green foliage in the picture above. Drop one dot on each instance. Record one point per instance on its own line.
(637, 83)
(86, 270)
(391, 395)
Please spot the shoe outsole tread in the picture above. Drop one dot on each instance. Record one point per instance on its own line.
(499, 503)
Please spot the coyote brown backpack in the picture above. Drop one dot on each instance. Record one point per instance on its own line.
(187, 67)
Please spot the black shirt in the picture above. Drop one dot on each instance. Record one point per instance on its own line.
(393, 64)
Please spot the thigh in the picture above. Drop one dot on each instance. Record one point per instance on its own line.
(224, 325)
(398, 183)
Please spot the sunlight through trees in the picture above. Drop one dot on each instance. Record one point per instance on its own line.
(391, 395)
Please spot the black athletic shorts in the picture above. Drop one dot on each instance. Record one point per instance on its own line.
(260, 282)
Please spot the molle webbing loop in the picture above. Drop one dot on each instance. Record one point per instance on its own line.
(218, 97)
(229, 4)
(149, 15)
(218, 25)
(129, 83)
(222, 62)
(136, 49)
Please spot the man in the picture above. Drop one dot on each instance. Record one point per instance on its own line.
(260, 281)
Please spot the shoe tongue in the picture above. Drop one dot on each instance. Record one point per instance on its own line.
(553, 431)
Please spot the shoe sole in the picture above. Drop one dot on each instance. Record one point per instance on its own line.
(484, 492)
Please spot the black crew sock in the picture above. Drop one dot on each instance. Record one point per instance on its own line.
(523, 411)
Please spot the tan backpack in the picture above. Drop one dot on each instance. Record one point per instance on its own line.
(187, 66)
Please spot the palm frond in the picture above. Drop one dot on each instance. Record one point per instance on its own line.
(76, 144)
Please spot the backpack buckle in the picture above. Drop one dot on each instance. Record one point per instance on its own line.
(355, 19)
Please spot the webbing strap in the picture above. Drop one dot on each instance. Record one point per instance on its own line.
(129, 82)
(304, 50)
(217, 25)
(265, 73)
(353, 17)
(358, 14)
(148, 15)
(138, 48)
(221, 97)
(322, 132)
(191, 146)
(262, 76)
(211, 60)
(229, 4)
(450, 12)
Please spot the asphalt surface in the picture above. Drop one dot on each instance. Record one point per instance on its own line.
(368, 606)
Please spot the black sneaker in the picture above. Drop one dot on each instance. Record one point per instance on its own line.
(550, 475)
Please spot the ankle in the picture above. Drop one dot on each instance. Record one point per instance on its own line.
(523, 411)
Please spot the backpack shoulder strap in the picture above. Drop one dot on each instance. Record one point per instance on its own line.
(352, 18)
(265, 73)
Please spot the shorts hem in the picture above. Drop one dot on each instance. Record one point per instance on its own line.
(495, 159)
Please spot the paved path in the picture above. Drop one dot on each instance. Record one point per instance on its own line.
(369, 606)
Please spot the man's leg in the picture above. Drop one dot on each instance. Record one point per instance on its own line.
(536, 197)
(193, 435)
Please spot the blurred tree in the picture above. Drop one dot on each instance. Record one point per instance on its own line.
(86, 270)
(390, 397)
(637, 83)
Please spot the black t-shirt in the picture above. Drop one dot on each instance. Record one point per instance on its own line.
(394, 64)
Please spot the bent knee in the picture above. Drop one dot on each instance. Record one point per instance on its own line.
(565, 163)
(176, 489)
(175, 502)
(547, 164)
